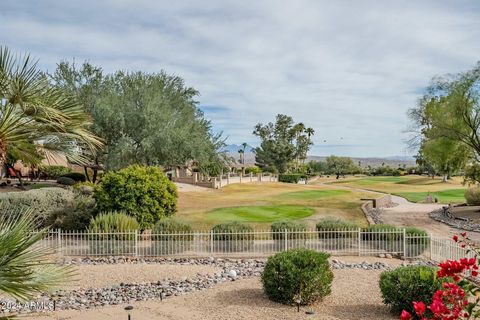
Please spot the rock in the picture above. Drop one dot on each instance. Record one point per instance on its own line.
(381, 255)
(388, 256)
(232, 274)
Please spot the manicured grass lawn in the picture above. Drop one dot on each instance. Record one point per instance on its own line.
(413, 187)
(260, 213)
(445, 196)
(313, 194)
(260, 204)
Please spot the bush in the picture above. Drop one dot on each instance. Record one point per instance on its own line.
(76, 176)
(404, 285)
(75, 215)
(66, 181)
(292, 178)
(142, 192)
(472, 195)
(112, 234)
(297, 274)
(54, 172)
(232, 237)
(44, 200)
(327, 225)
(296, 235)
(178, 240)
(253, 170)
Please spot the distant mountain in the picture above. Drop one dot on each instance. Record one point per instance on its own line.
(394, 161)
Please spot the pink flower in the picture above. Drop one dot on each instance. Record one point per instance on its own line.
(419, 308)
(405, 315)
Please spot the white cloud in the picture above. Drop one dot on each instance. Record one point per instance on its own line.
(349, 69)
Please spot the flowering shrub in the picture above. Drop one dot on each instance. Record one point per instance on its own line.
(460, 295)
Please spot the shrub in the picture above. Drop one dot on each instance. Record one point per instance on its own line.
(75, 215)
(54, 172)
(143, 192)
(66, 181)
(232, 237)
(292, 178)
(296, 235)
(297, 274)
(77, 176)
(113, 222)
(112, 234)
(179, 238)
(472, 195)
(253, 170)
(326, 226)
(404, 285)
(44, 200)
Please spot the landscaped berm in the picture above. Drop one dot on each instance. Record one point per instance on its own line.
(130, 191)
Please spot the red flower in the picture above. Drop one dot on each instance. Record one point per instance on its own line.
(464, 234)
(455, 238)
(419, 308)
(405, 315)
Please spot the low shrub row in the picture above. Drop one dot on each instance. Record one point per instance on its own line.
(292, 177)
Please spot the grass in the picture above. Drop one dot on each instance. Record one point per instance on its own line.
(260, 204)
(260, 213)
(313, 194)
(445, 196)
(413, 187)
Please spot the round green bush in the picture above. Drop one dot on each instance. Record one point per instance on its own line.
(77, 176)
(142, 192)
(472, 195)
(297, 275)
(232, 237)
(295, 231)
(66, 181)
(171, 237)
(327, 228)
(404, 285)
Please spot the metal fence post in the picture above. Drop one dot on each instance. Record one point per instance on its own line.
(404, 244)
(59, 242)
(211, 242)
(286, 240)
(136, 243)
(359, 241)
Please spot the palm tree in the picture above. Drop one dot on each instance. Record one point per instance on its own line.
(242, 156)
(25, 267)
(34, 116)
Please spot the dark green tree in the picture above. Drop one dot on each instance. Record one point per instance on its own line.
(283, 144)
(340, 165)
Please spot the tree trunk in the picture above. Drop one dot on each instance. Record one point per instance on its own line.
(86, 173)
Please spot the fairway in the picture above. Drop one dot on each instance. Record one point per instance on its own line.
(445, 196)
(260, 213)
(415, 188)
(260, 204)
(313, 194)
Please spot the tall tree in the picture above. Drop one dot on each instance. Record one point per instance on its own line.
(36, 117)
(340, 165)
(282, 143)
(450, 109)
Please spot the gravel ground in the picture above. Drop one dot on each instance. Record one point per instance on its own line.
(97, 276)
(244, 299)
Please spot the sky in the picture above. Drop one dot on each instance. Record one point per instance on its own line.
(348, 69)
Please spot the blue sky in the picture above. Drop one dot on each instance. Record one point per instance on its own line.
(348, 69)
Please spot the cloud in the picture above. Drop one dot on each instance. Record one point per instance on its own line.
(346, 68)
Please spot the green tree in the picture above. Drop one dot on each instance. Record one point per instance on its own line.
(148, 119)
(340, 165)
(445, 155)
(282, 143)
(36, 117)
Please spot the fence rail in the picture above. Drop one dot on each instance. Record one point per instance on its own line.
(251, 244)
